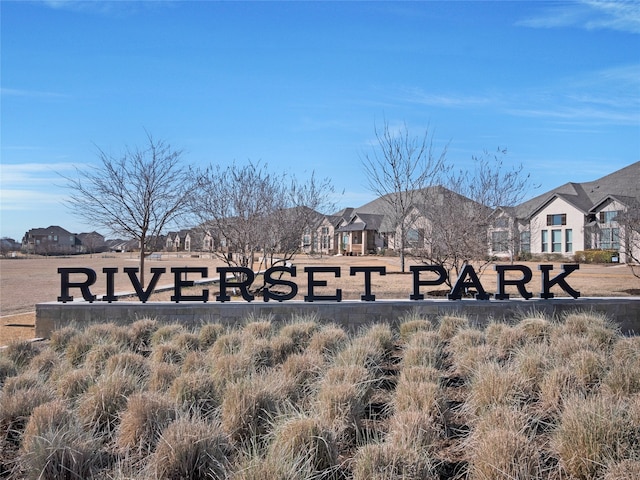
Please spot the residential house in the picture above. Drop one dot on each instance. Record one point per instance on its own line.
(577, 216)
(53, 240)
(189, 240)
(91, 242)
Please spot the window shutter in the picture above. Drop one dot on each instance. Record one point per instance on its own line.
(564, 219)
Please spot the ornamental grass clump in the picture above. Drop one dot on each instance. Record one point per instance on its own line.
(55, 446)
(140, 333)
(328, 340)
(423, 349)
(209, 333)
(100, 406)
(305, 442)
(60, 338)
(146, 415)
(413, 428)
(46, 363)
(195, 391)
(73, 383)
(165, 333)
(623, 376)
(466, 350)
(594, 431)
(492, 384)
(248, 408)
(383, 461)
(448, 325)
(191, 448)
(20, 353)
(501, 445)
(342, 397)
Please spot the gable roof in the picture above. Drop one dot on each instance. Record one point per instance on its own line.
(623, 183)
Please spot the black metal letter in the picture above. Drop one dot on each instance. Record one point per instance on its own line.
(557, 280)
(416, 269)
(321, 283)
(520, 283)
(143, 295)
(110, 295)
(179, 283)
(368, 296)
(268, 278)
(65, 284)
(474, 281)
(248, 275)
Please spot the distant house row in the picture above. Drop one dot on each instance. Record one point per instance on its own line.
(573, 217)
(563, 221)
(55, 240)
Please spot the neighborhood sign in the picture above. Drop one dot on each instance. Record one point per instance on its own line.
(240, 278)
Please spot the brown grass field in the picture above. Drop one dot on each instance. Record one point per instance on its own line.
(24, 282)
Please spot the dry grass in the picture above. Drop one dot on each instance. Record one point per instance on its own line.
(540, 398)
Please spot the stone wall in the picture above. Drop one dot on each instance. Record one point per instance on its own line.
(351, 314)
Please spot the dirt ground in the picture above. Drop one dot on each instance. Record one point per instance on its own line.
(24, 282)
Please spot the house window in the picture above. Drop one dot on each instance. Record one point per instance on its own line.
(357, 238)
(502, 222)
(609, 239)
(500, 241)
(556, 240)
(306, 240)
(557, 219)
(568, 240)
(525, 242)
(545, 240)
(608, 217)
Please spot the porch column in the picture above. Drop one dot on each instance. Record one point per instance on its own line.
(363, 247)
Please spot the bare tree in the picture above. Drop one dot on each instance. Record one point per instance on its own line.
(398, 170)
(629, 221)
(460, 215)
(136, 195)
(252, 210)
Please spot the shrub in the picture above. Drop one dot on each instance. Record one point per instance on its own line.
(595, 256)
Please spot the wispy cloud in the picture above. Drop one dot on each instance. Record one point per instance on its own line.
(418, 96)
(28, 200)
(16, 92)
(106, 7)
(12, 175)
(620, 15)
(610, 96)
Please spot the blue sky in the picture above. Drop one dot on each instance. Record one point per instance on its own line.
(300, 86)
